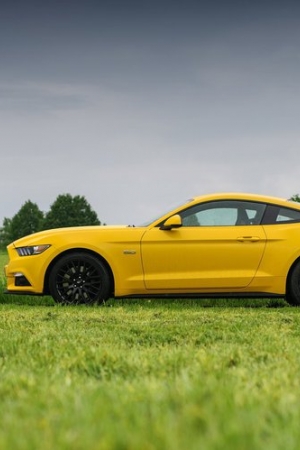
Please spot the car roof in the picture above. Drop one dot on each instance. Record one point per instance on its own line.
(247, 197)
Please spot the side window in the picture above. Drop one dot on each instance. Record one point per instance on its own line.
(223, 213)
(218, 216)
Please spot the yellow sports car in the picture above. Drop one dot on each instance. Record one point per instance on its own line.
(220, 244)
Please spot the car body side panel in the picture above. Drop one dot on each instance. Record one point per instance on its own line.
(120, 247)
(202, 257)
(281, 252)
(282, 249)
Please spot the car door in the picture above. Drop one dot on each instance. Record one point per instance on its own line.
(214, 249)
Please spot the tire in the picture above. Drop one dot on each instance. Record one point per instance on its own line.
(79, 278)
(293, 287)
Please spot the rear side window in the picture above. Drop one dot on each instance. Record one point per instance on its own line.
(277, 214)
(288, 215)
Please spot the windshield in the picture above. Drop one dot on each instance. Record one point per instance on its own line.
(146, 224)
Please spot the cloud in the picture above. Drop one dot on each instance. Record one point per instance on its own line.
(139, 105)
(34, 99)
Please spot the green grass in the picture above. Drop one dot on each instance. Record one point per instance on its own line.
(134, 377)
(3, 260)
(149, 374)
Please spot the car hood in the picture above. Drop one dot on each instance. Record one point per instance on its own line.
(104, 231)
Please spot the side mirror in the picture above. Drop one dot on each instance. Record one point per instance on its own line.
(172, 222)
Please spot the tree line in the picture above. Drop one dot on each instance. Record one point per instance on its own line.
(66, 211)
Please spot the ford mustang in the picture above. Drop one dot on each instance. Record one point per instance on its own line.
(212, 245)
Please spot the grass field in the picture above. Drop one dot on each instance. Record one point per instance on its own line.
(149, 374)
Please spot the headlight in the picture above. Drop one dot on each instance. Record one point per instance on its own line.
(32, 250)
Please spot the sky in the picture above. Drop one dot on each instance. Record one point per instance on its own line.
(141, 105)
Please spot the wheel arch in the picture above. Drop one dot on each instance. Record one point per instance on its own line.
(288, 280)
(83, 251)
(291, 271)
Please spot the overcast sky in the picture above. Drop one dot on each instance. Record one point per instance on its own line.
(140, 105)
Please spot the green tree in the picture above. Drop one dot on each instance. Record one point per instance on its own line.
(295, 198)
(28, 220)
(5, 233)
(68, 211)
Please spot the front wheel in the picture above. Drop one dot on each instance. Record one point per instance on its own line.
(293, 286)
(79, 278)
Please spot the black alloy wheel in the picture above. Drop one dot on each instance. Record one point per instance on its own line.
(293, 286)
(79, 278)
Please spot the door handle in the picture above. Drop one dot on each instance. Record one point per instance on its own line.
(248, 238)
